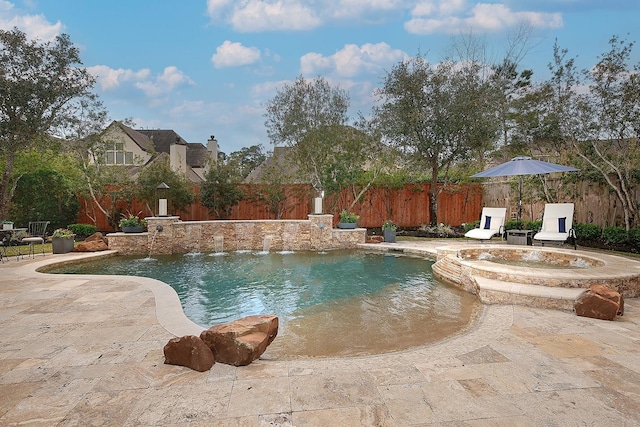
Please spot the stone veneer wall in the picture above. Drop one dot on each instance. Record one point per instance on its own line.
(178, 236)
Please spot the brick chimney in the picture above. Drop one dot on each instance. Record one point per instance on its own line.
(178, 156)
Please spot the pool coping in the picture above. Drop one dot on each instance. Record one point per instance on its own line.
(511, 362)
(169, 310)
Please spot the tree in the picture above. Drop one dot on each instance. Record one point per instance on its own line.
(610, 119)
(248, 158)
(180, 188)
(41, 85)
(47, 189)
(436, 115)
(105, 187)
(220, 191)
(306, 117)
(310, 118)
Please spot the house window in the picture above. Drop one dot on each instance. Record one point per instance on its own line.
(115, 155)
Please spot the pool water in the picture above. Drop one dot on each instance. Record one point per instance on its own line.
(339, 303)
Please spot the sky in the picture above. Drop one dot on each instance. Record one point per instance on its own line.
(209, 67)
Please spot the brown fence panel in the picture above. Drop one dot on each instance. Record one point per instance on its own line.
(407, 206)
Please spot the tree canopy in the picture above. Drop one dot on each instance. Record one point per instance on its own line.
(42, 86)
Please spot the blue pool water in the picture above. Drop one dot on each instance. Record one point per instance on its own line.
(336, 303)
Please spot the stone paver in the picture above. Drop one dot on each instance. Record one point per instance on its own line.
(87, 350)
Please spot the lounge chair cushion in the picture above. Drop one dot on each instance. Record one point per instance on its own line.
(562, 225)
(491, 222)
(557, 221)
(481, 233)
(496, 223)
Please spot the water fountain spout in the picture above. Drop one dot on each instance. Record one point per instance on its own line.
(153, 239)
(266, 243)
(218, 244)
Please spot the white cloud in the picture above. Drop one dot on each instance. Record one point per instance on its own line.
(165, 83)
(295, 15)
(454, 17)
(216, 8)
(427, 16)
(257, 15)
(34, 26)
(352, 60)
(230, 54)
(348, 9)
(112, 79)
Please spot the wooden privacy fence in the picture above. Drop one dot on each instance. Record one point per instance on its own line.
(407, 206)
(594, 202)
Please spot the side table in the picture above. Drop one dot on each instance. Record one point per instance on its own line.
(520, 237)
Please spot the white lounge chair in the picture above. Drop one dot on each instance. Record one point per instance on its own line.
(557, 224)
(491, 224)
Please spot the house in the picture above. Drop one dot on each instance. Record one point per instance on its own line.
(140, 147)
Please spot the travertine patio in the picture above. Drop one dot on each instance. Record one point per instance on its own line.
(87, 350)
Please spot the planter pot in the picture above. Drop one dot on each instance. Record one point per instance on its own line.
(389, 236)
(61, 245)
(349, 225)
(138, 229)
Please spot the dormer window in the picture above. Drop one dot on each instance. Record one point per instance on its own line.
(115, 155)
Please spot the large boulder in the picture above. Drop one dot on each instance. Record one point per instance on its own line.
(95, 246)
(599, 302)
(240, 342)
(94, 243)
(189, 351)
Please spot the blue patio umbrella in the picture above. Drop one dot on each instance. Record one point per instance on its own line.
(519, 166)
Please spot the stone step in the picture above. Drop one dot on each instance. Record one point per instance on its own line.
(498, 292)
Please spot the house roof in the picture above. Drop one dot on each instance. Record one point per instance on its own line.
(142, 140)
(162, 140)
(282, 160)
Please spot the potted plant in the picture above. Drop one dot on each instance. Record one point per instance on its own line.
(389, 231)
(348, 219)
(62, 241)
(133, 224)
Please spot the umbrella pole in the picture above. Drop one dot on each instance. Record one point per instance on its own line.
(520, 206)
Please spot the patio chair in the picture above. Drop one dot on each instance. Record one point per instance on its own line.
(491, 224)
(557, 224)
(37, 234)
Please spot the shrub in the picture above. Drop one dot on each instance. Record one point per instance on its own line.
(471, 225)
(587, 231)
(389, 225)
(634, 237)
(348, 217)
(513, 224)
(83, 230)
(440, 230)
(62, 233)
(132, 221)
(614, 234)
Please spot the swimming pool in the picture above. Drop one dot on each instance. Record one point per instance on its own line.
(338, 303)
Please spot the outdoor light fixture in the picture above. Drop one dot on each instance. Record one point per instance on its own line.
(317, 201)
(162, 194)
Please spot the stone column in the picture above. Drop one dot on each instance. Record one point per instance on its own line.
(321, 234)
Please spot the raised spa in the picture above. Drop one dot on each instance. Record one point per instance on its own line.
(470, 266)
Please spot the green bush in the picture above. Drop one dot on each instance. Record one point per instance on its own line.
(587, 231)
(513, 224)
(471, 225)
(44, 195)
(614, 235)
(634, 237)
(82, 230)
